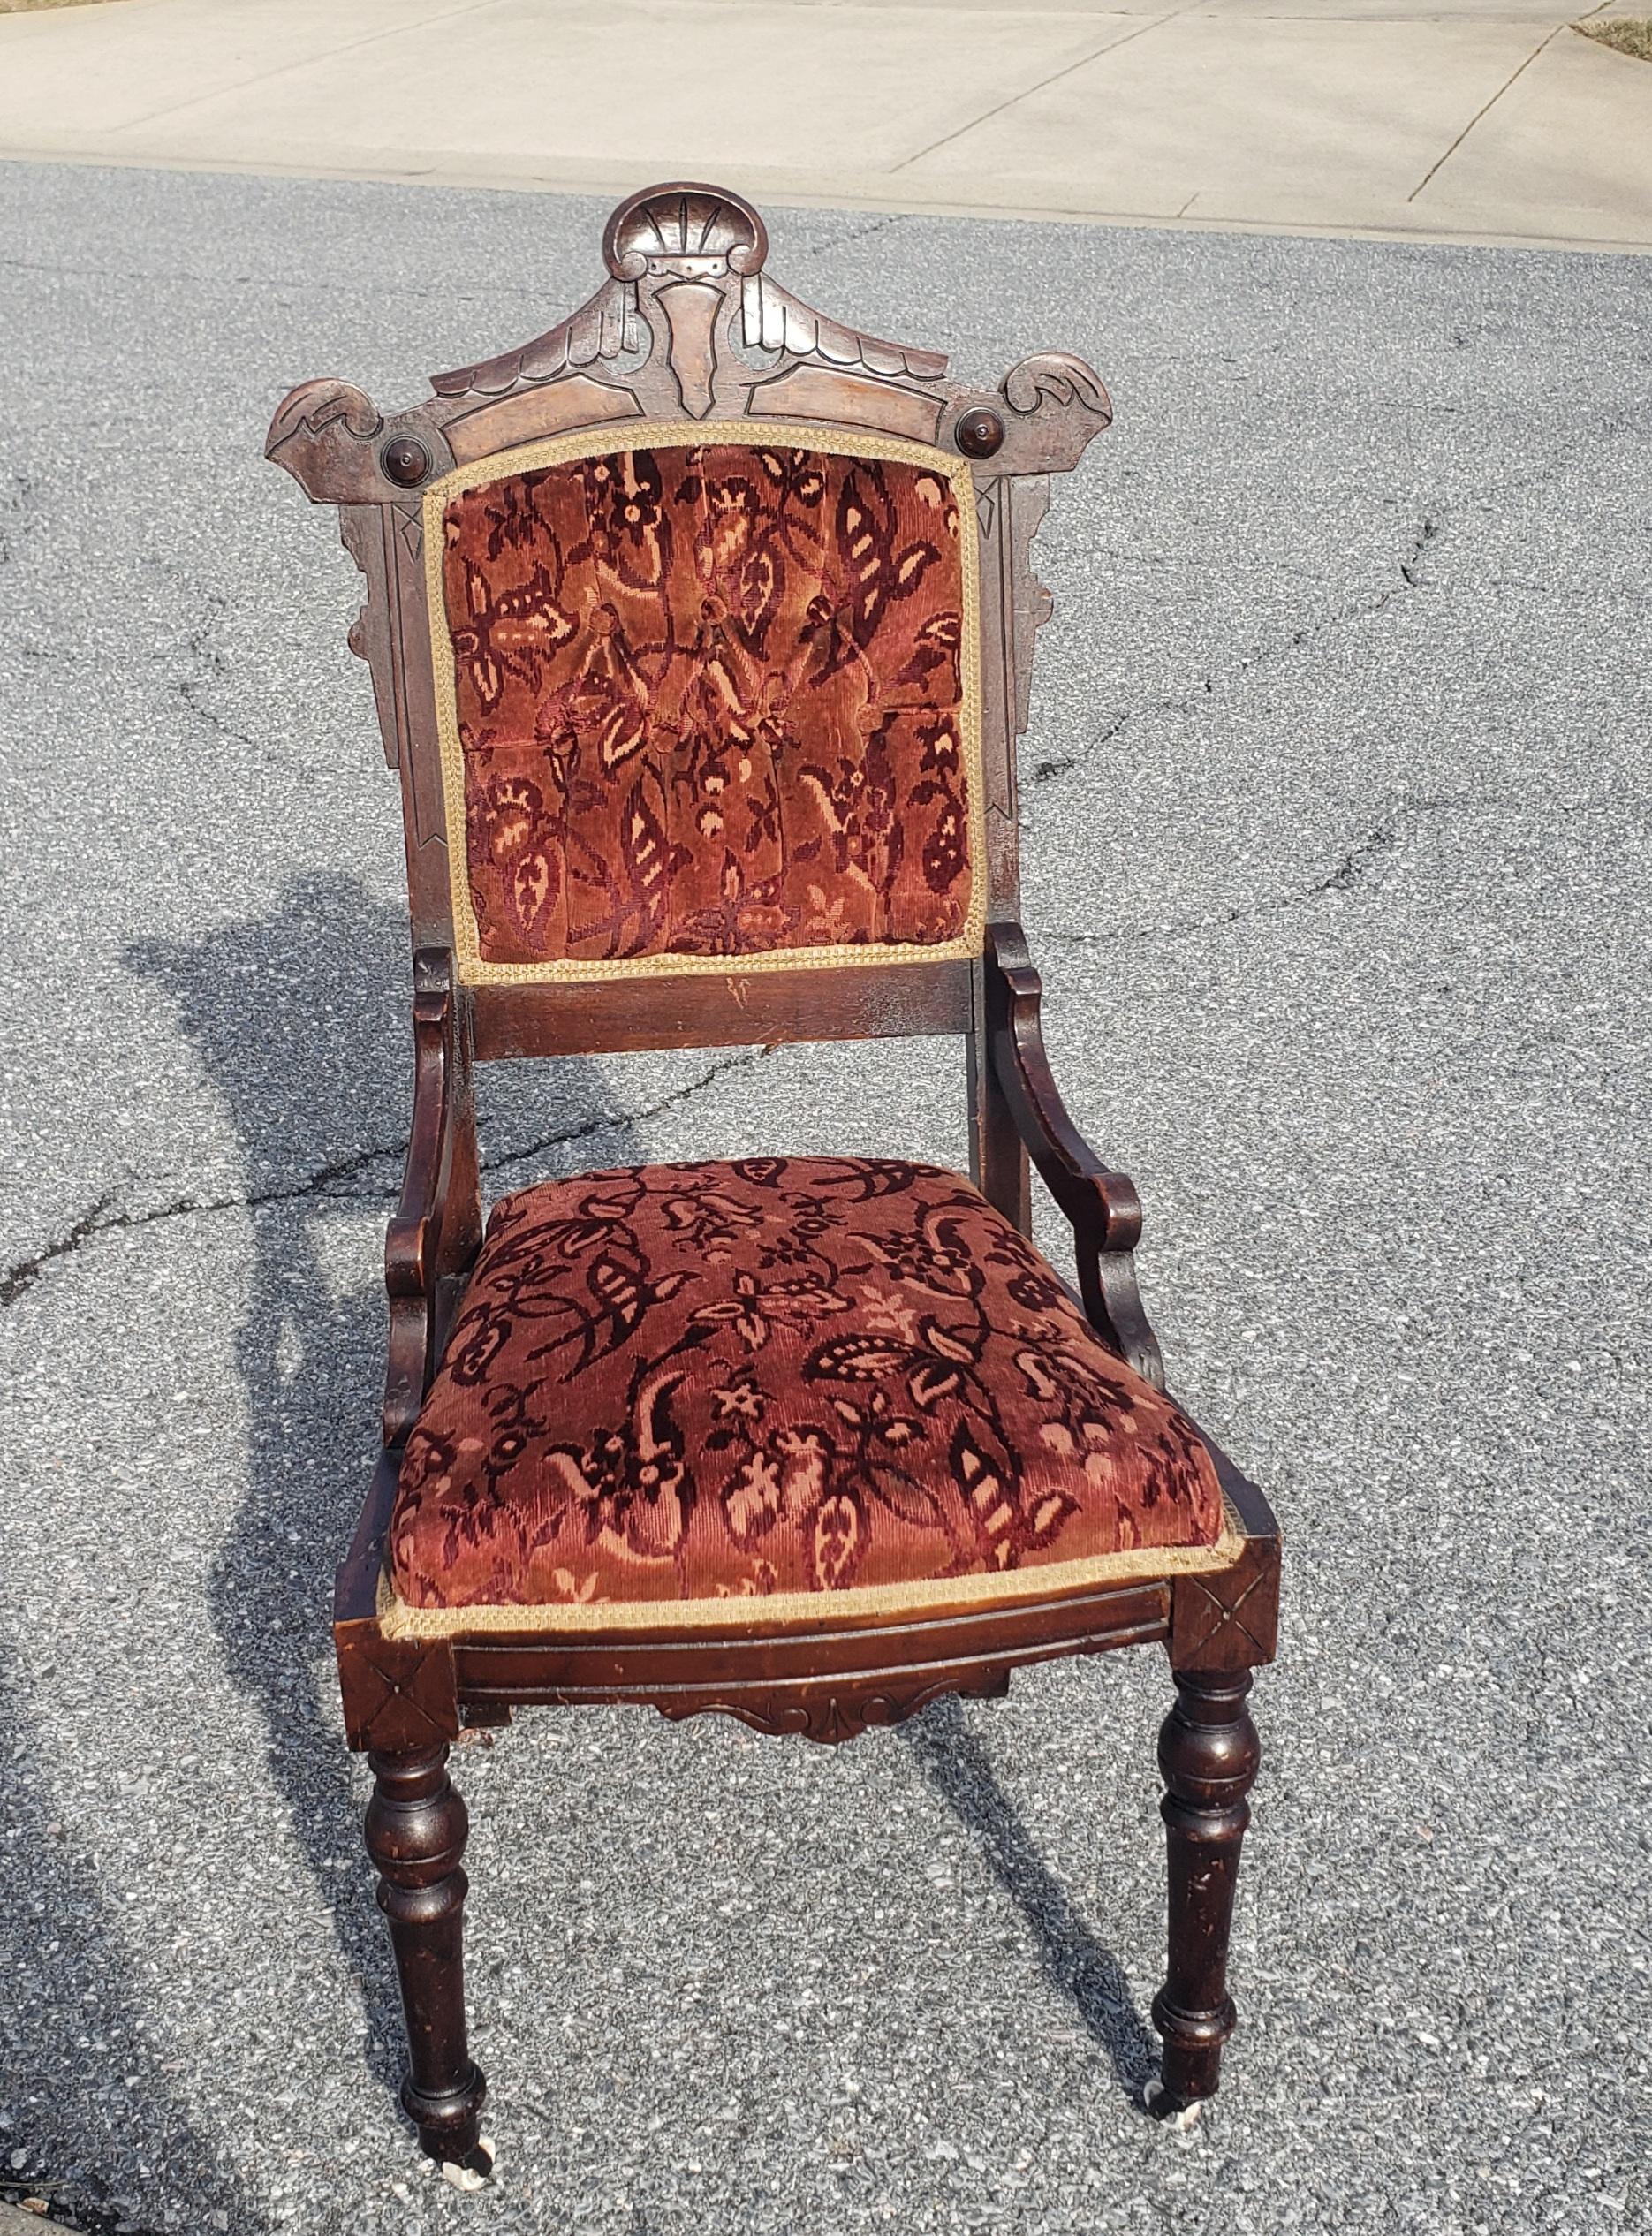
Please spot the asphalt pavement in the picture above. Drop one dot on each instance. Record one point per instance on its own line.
(1336, 864)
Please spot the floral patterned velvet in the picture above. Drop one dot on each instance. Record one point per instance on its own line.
(809, 1375)
(710, 703)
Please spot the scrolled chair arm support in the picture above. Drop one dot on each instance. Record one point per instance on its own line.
(417, 1245)
(1100, 1206)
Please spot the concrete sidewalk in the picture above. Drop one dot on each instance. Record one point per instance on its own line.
(1484, 119)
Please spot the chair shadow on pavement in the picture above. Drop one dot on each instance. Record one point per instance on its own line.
(959, 1769)
(300, 1022)
(92, 2120)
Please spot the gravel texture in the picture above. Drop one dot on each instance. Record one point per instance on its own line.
(1338, 864)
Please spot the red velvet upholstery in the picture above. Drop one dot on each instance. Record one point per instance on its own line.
(780, 1375)
(710, 703)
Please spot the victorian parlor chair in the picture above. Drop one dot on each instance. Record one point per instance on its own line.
(701, 631)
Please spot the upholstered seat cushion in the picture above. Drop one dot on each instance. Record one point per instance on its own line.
(780, 1376)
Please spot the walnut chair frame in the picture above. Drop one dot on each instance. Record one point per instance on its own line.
(690, 328)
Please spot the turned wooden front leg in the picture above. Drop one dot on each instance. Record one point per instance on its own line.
(416, 1826)
(1208, 1753)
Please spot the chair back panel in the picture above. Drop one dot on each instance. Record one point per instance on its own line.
(701, 631)
(708, 699)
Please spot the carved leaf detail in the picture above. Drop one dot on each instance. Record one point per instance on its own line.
(775, 320)
(1066, 380)
(606, 327)
(320, 404)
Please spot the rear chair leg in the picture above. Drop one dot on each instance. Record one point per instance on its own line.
(416, 1826)
(1208, 1753)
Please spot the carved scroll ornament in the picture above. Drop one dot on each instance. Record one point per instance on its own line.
(689, 325)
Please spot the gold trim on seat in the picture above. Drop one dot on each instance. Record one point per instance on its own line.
(817, 1610)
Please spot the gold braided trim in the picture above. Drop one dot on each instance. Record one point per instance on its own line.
(1023, 1587)
(684, 435)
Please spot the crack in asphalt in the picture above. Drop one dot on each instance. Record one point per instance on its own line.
(1155, 562)
(18, 1280)
(192, 691)
(1427, 533)
(744, 1061)
(102, 1219)
(1349, 871)
(14, 506)
(863, 233)
(22, 1277)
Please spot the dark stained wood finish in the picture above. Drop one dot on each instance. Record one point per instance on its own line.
(998, 1161)
(1101, 1205)
(395, 1691)
(690, 327)
(436, 1226)
(1209, 1753)
(416, 1829)
(746, 1009)
(1229, 1619)
(863, 1656)
(979, 433)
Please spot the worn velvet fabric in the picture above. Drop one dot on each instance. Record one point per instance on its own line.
(710, 703)
(779, 1375)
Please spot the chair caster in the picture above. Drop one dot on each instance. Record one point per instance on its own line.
(1169, 2111)
(473, 2170)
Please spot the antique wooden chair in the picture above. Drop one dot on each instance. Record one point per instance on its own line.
(701, 631)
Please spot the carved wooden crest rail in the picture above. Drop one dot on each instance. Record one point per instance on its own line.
(690, 321)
